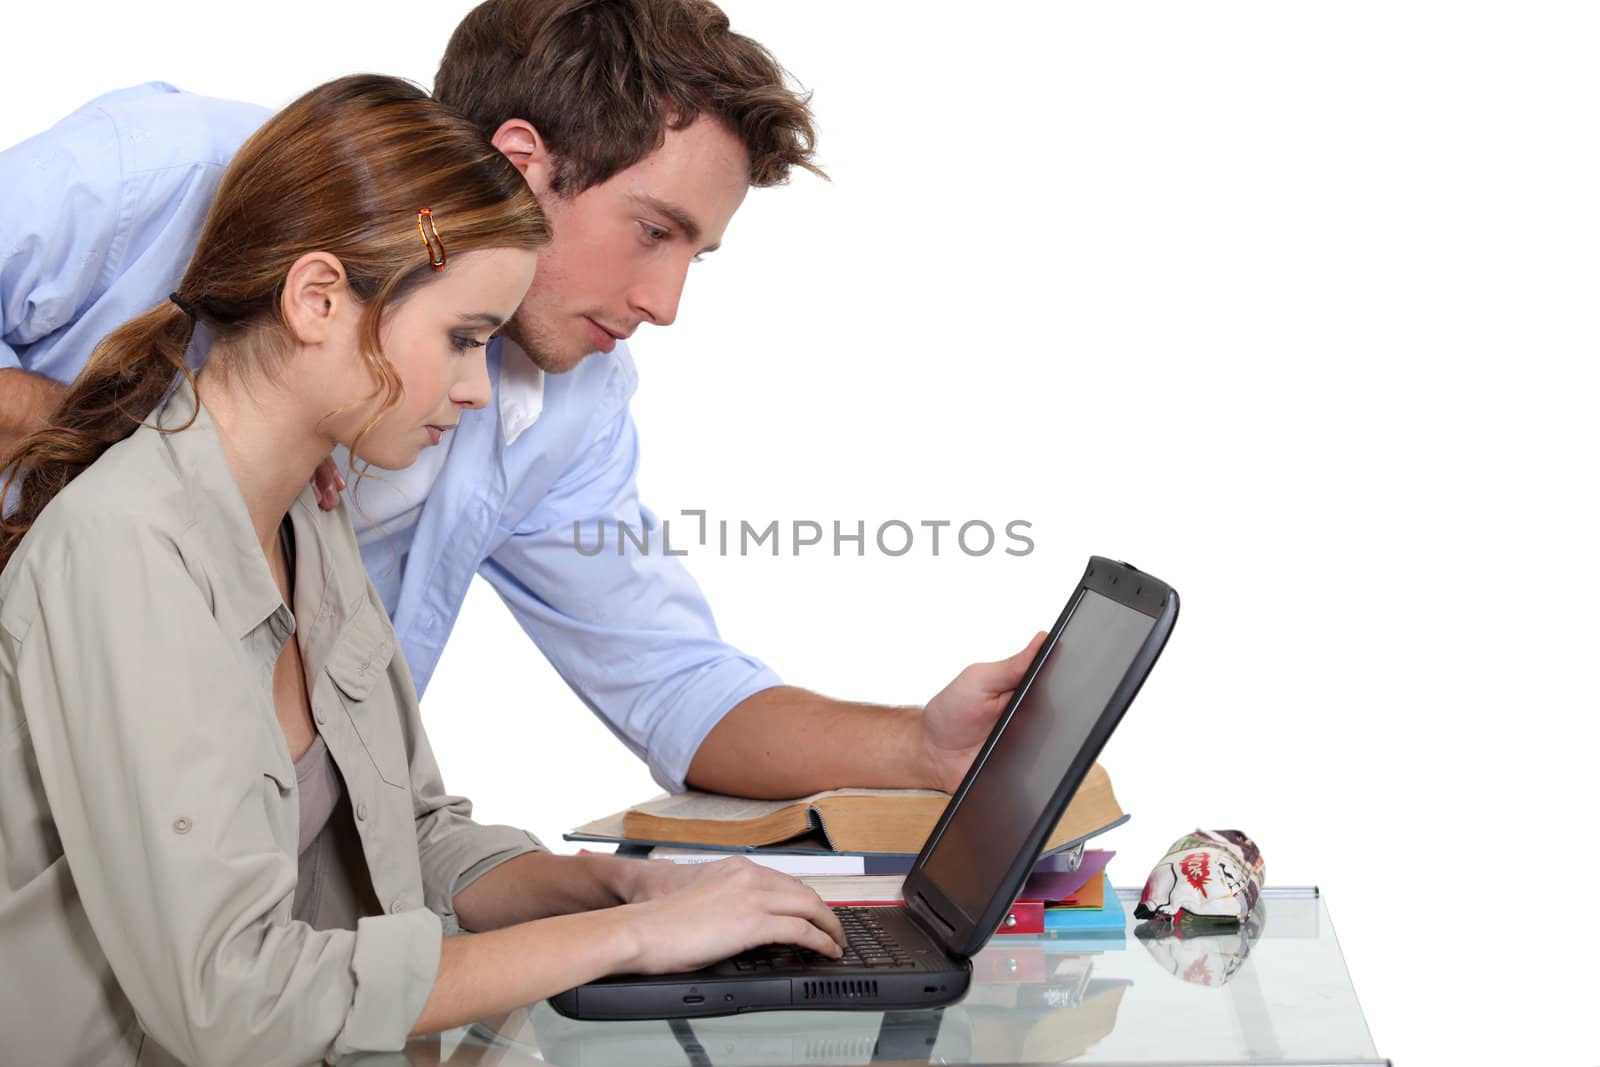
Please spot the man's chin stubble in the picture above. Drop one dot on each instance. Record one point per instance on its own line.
(545, 355)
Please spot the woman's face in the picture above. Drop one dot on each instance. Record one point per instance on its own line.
(435, 341)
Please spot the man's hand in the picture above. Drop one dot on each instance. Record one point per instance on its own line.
(328, 483)
(26, 401)
(956, 723)
(787, 742)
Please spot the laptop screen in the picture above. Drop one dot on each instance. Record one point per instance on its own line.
(1050, 726)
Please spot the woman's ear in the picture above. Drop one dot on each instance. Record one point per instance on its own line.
(316, 295)
(520, 142)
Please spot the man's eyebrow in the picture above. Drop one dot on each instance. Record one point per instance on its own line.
(675, 215)
(482, 318)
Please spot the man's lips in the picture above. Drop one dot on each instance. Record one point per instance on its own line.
(604, 338)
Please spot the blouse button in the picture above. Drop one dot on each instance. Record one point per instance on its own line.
(181, 824)
(397, 907)
(361, 811)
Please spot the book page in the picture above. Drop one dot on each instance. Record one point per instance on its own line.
(877, 793)
(714, 807)
(856, 888)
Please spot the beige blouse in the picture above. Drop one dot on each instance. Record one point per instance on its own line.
(149, 812)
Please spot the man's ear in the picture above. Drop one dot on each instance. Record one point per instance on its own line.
(519, 142)
(315, 295)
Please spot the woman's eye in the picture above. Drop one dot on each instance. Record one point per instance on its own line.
(461, 344)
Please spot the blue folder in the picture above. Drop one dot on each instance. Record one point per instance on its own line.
(1110, 919)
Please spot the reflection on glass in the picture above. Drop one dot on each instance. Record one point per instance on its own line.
(1201, 952)
(1274, 993)
(1038, 1005)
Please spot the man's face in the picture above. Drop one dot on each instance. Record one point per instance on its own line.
(622, 248)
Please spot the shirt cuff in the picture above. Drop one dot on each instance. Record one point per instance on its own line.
(677, 738)
(467, 854)
(9, 360)
(395, 966)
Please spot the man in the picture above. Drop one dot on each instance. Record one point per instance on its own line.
(640, 124)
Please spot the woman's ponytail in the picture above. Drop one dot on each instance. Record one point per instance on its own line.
(347, 169)
(128, 375)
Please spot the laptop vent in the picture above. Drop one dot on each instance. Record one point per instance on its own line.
(839, 990)
(839, 1048)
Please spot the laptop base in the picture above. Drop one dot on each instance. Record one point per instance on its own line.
(669, 997)
(913, 973)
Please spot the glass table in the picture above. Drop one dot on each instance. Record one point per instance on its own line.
(1275, 993)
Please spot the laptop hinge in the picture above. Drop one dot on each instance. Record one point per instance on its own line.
(940, 933)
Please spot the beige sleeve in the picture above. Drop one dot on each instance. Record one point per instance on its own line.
(455, 850)
(159, 783)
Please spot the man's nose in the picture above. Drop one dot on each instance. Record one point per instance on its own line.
(655, 297)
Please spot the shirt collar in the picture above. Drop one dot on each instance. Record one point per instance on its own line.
(521, 392)
(244, 593)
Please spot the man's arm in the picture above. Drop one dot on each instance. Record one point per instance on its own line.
(626, 627)
(631, 633)
(26, 401)
(788, 742)
(98, 226)
(56, 237)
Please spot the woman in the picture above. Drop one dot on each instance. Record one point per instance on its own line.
(222, 832)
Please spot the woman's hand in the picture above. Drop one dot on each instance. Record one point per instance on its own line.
(691, 915)
(681, 918)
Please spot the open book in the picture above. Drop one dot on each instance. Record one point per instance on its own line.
(845, 820)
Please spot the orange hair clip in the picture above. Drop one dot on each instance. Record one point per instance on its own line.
(431, 238)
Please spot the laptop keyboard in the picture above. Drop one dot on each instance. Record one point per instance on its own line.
(869, 945)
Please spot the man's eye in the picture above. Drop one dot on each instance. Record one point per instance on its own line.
(655, 233)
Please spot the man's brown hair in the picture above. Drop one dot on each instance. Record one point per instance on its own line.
(603, 80)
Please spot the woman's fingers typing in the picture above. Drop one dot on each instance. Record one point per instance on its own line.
(741, 906)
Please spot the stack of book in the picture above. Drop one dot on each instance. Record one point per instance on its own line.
(1076, 902)
(854, 846)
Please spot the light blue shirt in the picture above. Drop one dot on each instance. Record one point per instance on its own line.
(102, 213)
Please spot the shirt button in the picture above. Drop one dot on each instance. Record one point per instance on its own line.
(361, 811)
(181, 825)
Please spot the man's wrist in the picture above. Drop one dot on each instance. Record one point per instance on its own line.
(924, 768)
(26, 401)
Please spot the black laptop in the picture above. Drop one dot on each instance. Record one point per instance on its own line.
(977, 858)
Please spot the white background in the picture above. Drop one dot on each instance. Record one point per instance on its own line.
(1291, 305)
